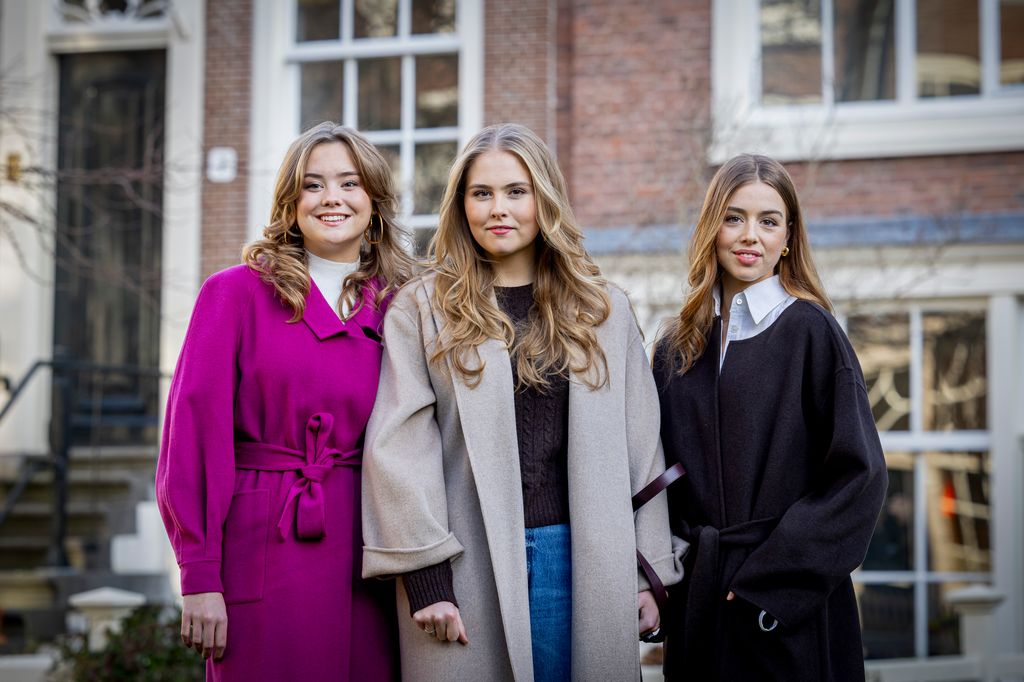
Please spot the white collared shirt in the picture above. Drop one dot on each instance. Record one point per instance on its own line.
(752, 310)
(329, 275)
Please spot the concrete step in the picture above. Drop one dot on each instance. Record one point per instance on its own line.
(35, 518)
(83, 484)
(25, 552)
(26, 589)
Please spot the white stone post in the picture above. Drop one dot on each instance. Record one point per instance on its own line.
(976, 605)
(104, 609)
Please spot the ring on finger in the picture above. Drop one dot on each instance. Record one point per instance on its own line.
(429, 631)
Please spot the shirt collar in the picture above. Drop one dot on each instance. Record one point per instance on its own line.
(762, 298)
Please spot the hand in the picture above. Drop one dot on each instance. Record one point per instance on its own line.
(443, 621)
(649, 618)
(730, 596)
(204, 623)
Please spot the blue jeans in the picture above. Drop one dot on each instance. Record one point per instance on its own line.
(549, 573)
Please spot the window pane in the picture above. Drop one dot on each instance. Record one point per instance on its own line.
(432, 163)
(433, 16)
(421, 239)
(943, 623)
(948, 60)
(375, 18)
(958, 511)
(317, 20)
(790, 51)
(892, 545)
(380, 93)
(865, 50)
(322, 88)
(437, 91)
(394, 158)
(1011, 47)
(882, 343)
(887, 617)
(955, 385)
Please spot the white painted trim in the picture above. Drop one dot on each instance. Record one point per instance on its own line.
(1005, 334)
(907, 127)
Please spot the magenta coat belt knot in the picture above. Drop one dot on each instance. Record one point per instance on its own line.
(305, 501)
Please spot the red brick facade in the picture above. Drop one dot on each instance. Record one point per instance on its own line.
(226, 124)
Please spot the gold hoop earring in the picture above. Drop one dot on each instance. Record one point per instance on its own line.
(785, 251)
(380, 230)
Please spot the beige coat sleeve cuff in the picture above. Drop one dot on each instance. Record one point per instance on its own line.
(379, 562)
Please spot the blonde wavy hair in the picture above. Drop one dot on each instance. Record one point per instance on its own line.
(569, 293)
(686, 335)
(280, 256)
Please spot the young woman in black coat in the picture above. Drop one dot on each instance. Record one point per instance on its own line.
(763, 401)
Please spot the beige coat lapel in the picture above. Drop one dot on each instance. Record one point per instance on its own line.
(488, 417)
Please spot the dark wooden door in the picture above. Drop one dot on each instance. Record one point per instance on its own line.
(108, 241)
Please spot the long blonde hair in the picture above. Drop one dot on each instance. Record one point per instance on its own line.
(569, 292)
(687, 334)
(280, 257)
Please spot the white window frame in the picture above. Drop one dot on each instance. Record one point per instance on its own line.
(906, 126)
(276, 70)
(917, 442)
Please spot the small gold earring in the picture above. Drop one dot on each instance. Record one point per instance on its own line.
(785, 251)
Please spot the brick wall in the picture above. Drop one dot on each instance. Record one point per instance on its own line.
(226, 124)
(632, 111)
(929, 185)
(639, 109)
(517, 65)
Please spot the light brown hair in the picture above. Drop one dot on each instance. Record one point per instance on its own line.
(686, 335)
(569, 293)
(280, 256)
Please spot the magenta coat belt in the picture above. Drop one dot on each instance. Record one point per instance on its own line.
(305, 502)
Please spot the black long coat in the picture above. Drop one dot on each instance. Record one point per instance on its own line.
(785, 480)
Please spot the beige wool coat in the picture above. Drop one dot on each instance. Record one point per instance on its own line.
(441, 482)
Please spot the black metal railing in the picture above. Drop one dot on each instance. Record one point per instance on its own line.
(67, 416)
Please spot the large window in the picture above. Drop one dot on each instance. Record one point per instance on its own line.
(406, 73)
(860, 78)
(925, 371)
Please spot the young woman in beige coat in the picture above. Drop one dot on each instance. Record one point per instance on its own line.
(516, 416)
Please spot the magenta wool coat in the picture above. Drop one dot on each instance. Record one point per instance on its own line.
(258, 482)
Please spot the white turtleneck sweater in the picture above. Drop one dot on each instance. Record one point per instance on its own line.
(329, 275)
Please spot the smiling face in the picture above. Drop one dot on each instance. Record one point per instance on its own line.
(751, 237)
(333, 209)
(502, 213)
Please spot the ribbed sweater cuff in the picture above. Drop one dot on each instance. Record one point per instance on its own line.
(429, 585)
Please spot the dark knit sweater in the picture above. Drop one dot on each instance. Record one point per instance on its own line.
(542, 420)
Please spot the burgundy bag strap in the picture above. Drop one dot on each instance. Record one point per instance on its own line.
(667, 478)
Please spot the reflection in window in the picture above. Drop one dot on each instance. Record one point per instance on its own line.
(948, 52)
(375, 18)
(892, 545)
(322, 88)
(955, 388)
(790, 51)
(958, 511)
(865, 50)
(943, 623)
(433, 16)
(317, 20)
(1011, 47)
(393, 156)
(887, 620)
(380, 93)
(882, 343)
(437, 91)
(432, 162)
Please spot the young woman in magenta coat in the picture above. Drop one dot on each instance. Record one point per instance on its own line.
(258, 480)
(763, 401)
(516, 416)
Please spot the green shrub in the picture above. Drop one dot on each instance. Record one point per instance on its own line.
(148, 648)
